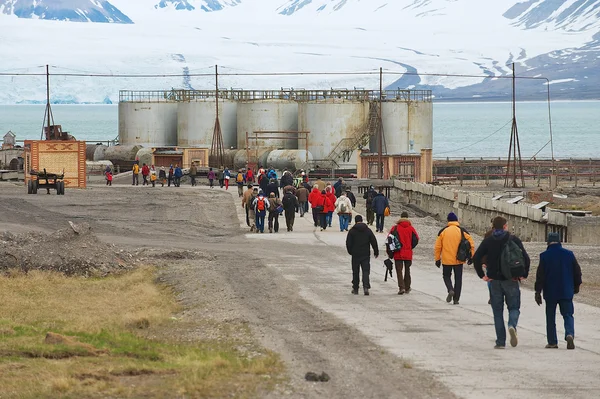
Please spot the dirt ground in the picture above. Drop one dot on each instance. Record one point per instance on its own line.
(222, 279)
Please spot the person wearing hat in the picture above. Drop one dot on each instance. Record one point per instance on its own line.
(501, 289)
(445, 253)
(359, 241)
(558, 277)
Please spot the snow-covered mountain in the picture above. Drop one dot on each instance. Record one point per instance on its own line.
(65, 10)
(557, 39)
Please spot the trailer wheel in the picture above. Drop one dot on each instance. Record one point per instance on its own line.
(61, 188)
(29, 187)
(34, 186)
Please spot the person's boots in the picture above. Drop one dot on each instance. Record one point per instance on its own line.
(366, 291)
(354, 291)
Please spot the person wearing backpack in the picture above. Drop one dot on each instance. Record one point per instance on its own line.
(290, 203)
(239, 179)
(368, 196)
(274, 208)
(446, 254)
(260, 205)
(504, 254)
(408, 239)
(558, 277)
(343, 207)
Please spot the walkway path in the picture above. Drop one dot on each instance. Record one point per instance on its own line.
(455, 342)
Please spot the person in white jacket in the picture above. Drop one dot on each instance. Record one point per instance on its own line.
(343, 207)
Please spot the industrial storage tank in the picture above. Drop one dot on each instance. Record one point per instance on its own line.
(151, 124)
(196, 123)
(144, 156)
(420, 117)
(241, 157)
(329, 122)
(291, 160)
(99, 153)
(267, 115)
(407, 126)
(118, 153)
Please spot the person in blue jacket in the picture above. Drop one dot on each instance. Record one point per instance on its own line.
(558, 277)
(177, 174)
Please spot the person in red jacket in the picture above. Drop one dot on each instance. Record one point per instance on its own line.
(331, 195)
(313, 198)
(145, 173)
(408, 237)
(324, 202)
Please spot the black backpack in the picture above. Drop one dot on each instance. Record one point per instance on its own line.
(464, 247)
(512, 261)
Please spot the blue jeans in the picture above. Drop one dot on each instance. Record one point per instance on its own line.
(260, 221)
(329, 218)
(566, 310)
(344, 221)
(509, 291)
(379, 220)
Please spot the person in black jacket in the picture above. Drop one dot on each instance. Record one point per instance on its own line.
(358, 240)
(272, 187)
(501, 289)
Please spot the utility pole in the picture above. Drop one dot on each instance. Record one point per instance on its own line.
(48, 112)
(514, 148)
(380, 130)
(216, 151)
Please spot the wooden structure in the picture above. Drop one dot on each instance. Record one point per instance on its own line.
(56, 157)
(408, 167)
(180, 156)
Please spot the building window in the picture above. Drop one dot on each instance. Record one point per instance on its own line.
(374, 171)
(406, 170)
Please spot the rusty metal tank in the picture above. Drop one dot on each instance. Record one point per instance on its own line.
(196, 123)
(330, 121)
(287, 159)
(267, 115)
(241, 157)
(150, 124)
(121, 153)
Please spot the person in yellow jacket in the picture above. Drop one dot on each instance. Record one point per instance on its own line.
(136, 173)
(445, 253)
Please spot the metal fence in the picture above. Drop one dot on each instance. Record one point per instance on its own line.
(175, 95)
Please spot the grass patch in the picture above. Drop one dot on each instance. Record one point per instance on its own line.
(73, 337)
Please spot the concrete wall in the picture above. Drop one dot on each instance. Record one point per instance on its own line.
(584, 230)
(476, 211)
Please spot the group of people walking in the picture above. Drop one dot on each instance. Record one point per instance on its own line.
(500, 260)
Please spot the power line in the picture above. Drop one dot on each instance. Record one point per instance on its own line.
(477, 142)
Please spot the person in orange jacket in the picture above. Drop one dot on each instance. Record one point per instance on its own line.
(445, 253)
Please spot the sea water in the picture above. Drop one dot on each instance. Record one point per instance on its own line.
(470, 130)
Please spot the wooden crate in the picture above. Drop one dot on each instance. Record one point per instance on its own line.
(56, 156)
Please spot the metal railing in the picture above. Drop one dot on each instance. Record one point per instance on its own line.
(177, 95)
